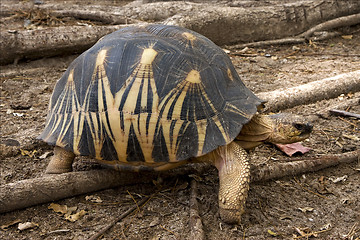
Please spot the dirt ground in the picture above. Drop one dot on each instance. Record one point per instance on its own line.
(325, 203)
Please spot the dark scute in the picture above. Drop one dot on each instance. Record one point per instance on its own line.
(214, 137)
(69, 134)
(188, 143)
(50, 121)
(138, 109)
(134, 151)
(160, 152)
(86, 144)
(108, 151)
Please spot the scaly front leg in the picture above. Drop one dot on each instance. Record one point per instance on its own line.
(234, 174)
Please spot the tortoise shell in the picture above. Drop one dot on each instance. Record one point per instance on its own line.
(148, 94)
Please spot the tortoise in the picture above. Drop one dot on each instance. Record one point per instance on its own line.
(155, 97)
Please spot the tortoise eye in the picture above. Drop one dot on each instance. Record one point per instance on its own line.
(298, 126)
(303, 127)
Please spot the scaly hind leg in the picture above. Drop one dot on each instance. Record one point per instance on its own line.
(61, 162)
(234, 174)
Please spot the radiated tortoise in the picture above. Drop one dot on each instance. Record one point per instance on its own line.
(156, 97)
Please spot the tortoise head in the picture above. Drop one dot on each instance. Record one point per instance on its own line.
(280, 128)
(288, 128)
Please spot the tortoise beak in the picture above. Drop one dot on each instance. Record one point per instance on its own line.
(304, 128)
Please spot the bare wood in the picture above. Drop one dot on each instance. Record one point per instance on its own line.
(279, 170)
(311, 92)
(196, 227)
(30, 192)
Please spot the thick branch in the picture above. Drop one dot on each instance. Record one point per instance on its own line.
(311, 92)
(30, 192)
(279, 170)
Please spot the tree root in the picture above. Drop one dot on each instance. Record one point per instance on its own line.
(30, 192)
(196, 227)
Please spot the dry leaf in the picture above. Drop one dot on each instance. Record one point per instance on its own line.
(76, 216)
(28, 153)
(27, 225)
(94, 198)
(292, 148)
(7, 225)
(63, 209)
(348, 37)
(283, 217)
(338, 179)
(272, 233)
(306, 209)
(44, 155)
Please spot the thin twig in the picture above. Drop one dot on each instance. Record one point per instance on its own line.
(352, 232)
(169, 231)
(125, 214)
(337, 112)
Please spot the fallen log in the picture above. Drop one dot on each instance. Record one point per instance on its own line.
(312, 92)
(31, 44)
(230, 25)
(35, 191)
(306, 36)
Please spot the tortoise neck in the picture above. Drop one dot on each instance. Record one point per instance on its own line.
(255, 132)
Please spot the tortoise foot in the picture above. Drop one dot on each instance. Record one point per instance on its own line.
(61, 162)
(230, 216)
